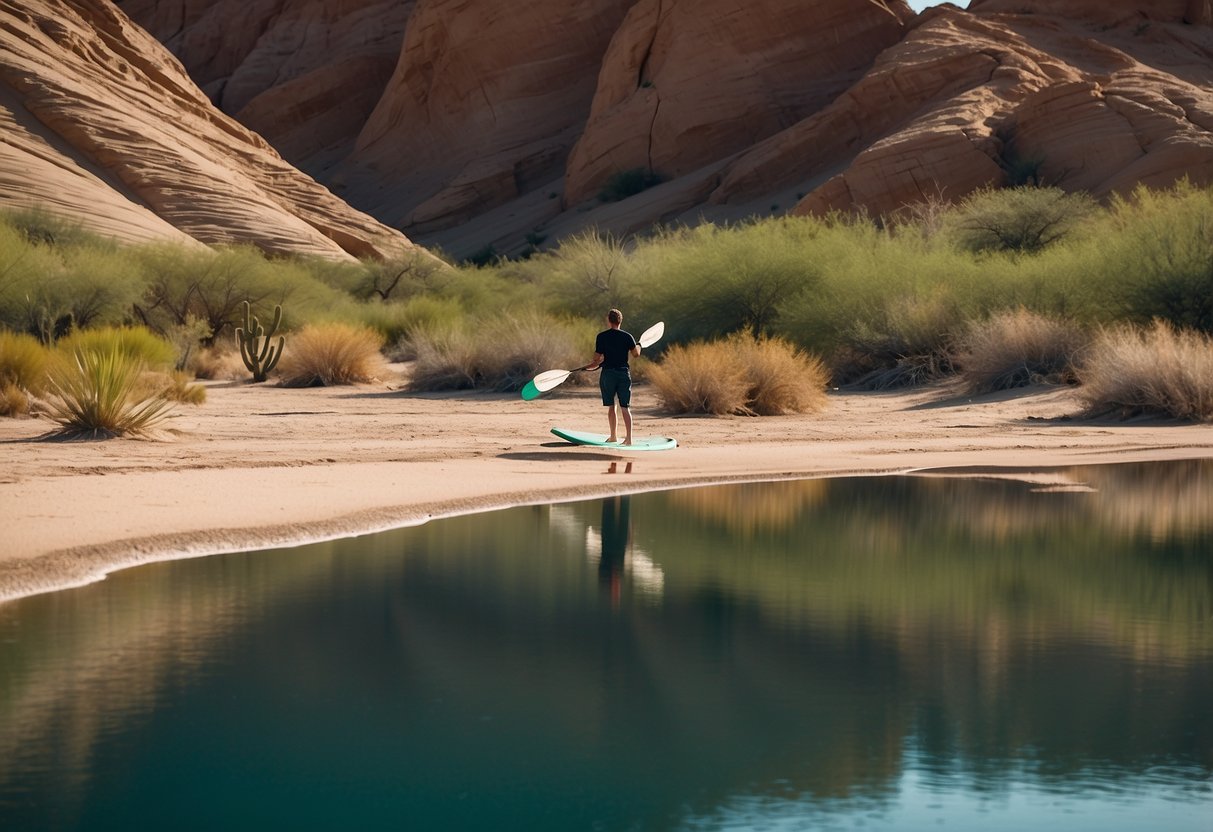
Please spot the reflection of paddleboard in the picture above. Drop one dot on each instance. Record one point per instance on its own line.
(599, 440)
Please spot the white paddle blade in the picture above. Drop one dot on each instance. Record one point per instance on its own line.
(652, 335)
(552, 378)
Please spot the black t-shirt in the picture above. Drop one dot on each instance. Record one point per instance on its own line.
(614, 345)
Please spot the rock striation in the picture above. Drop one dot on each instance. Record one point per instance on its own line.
(685, 84)
(101, 123)
(483, 123)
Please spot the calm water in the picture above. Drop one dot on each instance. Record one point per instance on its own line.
(892, 653)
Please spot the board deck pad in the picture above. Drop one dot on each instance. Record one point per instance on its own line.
(599, 440)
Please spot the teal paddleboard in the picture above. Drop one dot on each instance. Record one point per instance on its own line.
(599, 440)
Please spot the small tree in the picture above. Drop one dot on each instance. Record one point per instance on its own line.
(1024, 220)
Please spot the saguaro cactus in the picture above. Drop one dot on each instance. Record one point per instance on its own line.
(257, 349)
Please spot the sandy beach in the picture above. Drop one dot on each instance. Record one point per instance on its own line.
(261, 466)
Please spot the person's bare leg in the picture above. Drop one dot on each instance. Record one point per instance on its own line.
(627, 424)
(611, 421)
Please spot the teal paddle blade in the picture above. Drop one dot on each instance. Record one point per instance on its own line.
(530, 391)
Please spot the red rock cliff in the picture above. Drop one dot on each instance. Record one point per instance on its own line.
(500, 121)
(101, 123)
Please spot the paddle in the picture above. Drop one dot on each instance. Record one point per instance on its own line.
(549, 379)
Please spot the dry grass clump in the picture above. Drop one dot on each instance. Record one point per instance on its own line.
(1158, 371)
(741, 376)
(501, 355)
(700, 378)
(13, 400)
(99, 394)
(907, 342)
(23, 367)
(322, 355)
(217, 363)
(1014, 349)
(177, 386)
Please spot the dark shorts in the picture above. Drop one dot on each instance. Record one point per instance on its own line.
(614, 383)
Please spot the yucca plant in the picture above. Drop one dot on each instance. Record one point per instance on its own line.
(100, 394)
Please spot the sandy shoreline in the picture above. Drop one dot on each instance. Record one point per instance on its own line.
(263, 466)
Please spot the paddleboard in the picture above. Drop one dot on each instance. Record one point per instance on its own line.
(599, 440)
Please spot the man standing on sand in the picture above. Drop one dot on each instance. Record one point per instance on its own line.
(611, 351)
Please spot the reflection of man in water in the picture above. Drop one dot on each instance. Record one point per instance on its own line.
(616, 531)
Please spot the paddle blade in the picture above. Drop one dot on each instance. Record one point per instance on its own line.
(530, 391)
(652, 335)
(552, 378)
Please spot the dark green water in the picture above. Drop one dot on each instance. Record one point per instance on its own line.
(885, 653)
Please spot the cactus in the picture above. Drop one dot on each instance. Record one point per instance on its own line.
(259, 355)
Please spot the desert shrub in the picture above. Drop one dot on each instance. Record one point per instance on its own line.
(14, 401)
(707, 281)
(780, 379)
(742, 375)
(331, 353)
(1017, 348)
(209, 285)
(187, 339)
(42, 227)
(1024, 219)
(98, 393)
(398, 322)
(48, 291)
(1159, 258)
(625, 183)
(217, 362)
(700, 378)
(904, 342)
(1159, 370)
(587, 275)
(135, 342)
(177, 386)
(499, 354)
(23, 362)
(402, 277)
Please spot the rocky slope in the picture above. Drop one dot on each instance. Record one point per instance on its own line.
(476, 123)
(98, 121)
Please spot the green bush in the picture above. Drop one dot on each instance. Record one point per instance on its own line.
(1023, 219)
(187, 284)
(137, 343)
(906, 343)
(710, 281)
(398, 323)
(1158, 256)
(587, 274)
(23, 362)
(500, 354)
(49, 291)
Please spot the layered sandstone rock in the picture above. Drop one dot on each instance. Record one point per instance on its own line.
(967, 100)
(304, 74)
(501, 121)
(484, 106)
(101, 123)
(685, 83)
